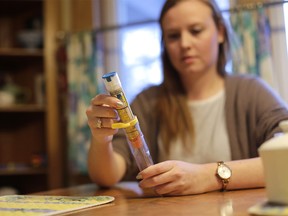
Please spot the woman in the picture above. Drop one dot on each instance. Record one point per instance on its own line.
(196, 118)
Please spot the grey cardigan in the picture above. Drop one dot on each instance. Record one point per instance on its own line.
(253, 112)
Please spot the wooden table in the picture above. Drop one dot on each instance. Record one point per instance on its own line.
(132, 200)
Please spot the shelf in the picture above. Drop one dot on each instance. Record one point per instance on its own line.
(34, 125)
(23, 108)
(26, 171)
(20, 52)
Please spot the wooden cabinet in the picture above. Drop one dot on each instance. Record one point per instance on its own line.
(31, 154)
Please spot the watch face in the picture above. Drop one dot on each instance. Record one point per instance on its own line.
(224, 172)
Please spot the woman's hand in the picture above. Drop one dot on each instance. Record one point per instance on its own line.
(178, 178)
(101, 115)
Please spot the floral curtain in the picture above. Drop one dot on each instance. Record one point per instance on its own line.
(251, 48)
(83, 85)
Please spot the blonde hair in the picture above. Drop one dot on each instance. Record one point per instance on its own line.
(172, 108)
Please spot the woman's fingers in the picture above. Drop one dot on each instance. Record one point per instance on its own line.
(101, 114)
(102, 111)
(156, 169)
(103, 99)
(156, 175)
(101, 122)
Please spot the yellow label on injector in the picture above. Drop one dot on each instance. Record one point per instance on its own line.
(126, 116)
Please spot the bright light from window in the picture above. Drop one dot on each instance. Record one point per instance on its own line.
(141, 63)
(223, 4)
(140, 44)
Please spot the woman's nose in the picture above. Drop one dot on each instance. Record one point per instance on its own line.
(186, 40)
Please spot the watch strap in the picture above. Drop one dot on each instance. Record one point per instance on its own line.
(224, 184)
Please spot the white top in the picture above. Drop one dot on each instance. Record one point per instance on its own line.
(211, 138)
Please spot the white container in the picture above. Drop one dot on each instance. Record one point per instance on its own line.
(274, 155)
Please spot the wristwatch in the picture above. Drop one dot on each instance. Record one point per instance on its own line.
(223, 173)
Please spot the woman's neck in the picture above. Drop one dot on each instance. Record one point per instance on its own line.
(202, 86)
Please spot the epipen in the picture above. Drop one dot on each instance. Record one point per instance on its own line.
(128, 122)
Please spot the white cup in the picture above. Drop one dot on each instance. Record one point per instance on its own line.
(274, 155)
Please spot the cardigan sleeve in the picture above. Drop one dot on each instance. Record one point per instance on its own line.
(253, 113)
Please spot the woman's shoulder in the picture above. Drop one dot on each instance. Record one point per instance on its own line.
(148, 96)
(250, 88)
(151, 91)
(245, 83)
(242, 78)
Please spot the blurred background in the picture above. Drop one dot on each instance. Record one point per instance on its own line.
(53, 54)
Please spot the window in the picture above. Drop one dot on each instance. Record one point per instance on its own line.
(286, 22)
(141, 48)
(141, 58)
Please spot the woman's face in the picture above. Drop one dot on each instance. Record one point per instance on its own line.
(191, 37)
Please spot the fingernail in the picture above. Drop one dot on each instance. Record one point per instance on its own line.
(139, 177)
(119, 104)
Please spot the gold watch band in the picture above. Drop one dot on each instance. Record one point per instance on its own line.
(224, 184)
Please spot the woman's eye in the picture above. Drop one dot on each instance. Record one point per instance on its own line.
(173, 36)
(196, 31)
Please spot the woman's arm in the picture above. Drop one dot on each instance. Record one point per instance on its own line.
(181, 178)
(105, 166)
(246, 173)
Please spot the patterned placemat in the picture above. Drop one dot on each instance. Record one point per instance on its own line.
(267, 209)
(36, 205)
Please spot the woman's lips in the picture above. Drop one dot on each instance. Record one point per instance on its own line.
(188, 59)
